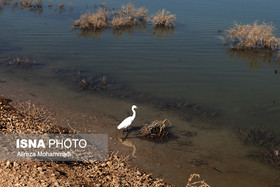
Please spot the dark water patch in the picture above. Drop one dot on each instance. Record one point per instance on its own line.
(267, 141)
(106, 85)
(4, 48)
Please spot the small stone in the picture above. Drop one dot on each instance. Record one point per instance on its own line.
(8, 164)
(15, 164)
(40, 169)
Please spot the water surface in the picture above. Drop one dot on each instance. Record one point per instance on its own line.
(189, 63)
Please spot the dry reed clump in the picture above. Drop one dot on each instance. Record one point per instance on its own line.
(252, 36)
(155, 131)
(31, 4)
(126, 17)
(164, 19)
(197, 183)
(255, 57)
(129, 16)
(93, 21)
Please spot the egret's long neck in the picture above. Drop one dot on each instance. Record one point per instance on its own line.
(134, 113)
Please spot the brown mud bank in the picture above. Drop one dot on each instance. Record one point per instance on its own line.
(116, 171)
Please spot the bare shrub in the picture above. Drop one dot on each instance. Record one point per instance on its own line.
(128, 16)
(252, 36)
(121, 20)
(164, 19)
(155, 131)
(93, 21)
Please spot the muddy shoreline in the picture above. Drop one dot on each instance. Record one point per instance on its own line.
(115, 171)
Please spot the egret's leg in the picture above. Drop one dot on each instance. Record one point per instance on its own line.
(127, 133)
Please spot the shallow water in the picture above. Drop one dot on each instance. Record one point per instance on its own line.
(189, 63)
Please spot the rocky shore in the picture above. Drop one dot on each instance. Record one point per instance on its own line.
(116, 171)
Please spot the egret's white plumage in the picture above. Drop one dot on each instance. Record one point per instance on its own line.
(127, 122)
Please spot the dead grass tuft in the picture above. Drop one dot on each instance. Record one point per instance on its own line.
(156, 130)
(164, 19)
(93, 21)
(252, 36)
(127, 16)
(197, 183)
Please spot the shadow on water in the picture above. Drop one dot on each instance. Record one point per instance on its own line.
(159, 33)
(107, 85)
(90, 34)
(130, 30)
(162, 33)
(255, 58)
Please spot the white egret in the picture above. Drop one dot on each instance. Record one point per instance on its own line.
(128, 121)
